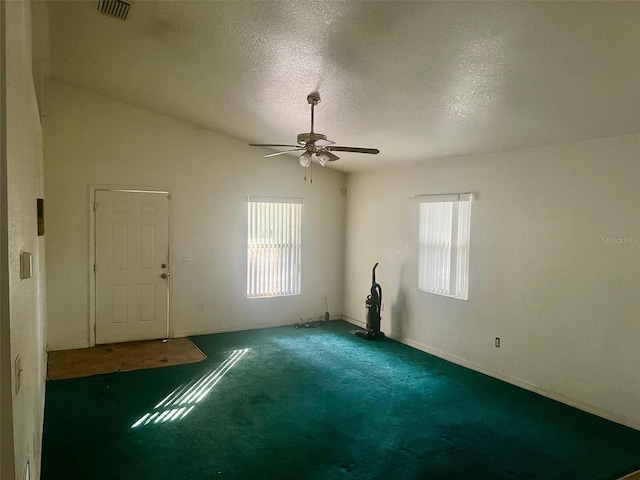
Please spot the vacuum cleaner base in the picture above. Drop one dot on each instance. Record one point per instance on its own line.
(369, 334)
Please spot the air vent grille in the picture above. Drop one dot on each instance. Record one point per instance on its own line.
(114, 8)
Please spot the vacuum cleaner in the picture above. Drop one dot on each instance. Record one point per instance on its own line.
(373, 303)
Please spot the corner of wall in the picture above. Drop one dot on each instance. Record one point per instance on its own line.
(21, 299)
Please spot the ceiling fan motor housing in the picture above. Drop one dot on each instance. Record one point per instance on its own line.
(309, 139)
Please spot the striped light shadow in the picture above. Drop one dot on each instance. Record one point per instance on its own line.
(181, 401)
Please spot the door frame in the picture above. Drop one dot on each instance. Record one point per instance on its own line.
(93, 189)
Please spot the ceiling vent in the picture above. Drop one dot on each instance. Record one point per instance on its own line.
(115, 8)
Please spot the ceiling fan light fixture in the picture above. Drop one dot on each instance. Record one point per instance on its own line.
(305, 159)
(323, 158)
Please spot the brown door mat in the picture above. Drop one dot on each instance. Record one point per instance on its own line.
(122, 357)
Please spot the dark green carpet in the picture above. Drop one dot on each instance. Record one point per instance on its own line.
(320, 403)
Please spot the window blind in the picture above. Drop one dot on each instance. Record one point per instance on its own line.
(443, 255)
(274, 250)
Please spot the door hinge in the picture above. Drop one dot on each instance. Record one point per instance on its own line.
(95, 266)
(95, 206)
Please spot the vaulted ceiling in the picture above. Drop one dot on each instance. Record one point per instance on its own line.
(418, 80)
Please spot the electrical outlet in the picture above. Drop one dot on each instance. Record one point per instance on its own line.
(497, 342)
(186, 257)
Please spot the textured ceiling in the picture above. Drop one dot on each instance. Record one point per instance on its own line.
(418, 80)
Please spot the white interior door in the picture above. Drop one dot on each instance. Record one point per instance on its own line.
(132, 265)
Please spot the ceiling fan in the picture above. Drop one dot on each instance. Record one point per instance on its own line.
(313, 143)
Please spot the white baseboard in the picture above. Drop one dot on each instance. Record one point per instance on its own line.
(355, 322)
(559, 397)
(238, 328)
(53, 347)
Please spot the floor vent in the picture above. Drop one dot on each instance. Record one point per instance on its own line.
(115, 8)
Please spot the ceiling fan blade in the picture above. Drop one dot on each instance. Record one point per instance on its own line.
(353, 149)
(282, 153)
(270, 145)
(323, 143)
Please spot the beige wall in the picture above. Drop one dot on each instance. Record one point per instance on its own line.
(546, 273)
(91, 139)
(6, 416)
(26, 297)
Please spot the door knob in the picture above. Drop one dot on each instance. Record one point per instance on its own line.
(164, 275)
(164, 265)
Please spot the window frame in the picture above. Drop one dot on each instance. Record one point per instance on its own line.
(274, 239)
(455, 247)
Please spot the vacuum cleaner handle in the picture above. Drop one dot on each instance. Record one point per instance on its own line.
(376, 293)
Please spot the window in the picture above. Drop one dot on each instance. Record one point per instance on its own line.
(443, 257)
(273, 247)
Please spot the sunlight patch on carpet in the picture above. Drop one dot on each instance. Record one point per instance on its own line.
(182, 400)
